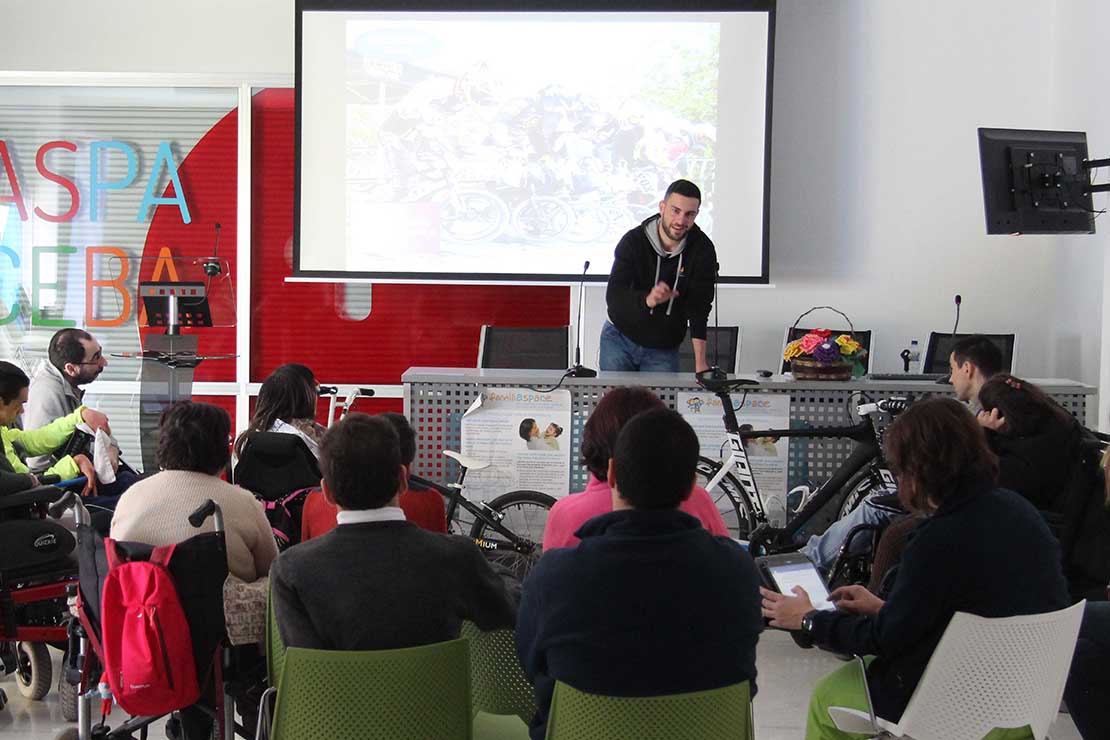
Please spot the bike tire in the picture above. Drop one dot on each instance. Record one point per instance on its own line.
(542, 218)
(858, 487)
(729, 497)
(525, 515)
(480, 216)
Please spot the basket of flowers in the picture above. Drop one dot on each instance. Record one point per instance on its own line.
(822, 355)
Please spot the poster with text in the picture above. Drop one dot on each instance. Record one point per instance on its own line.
(766, 455)
(524, 435)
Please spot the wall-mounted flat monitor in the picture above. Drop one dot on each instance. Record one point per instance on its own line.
(1035, 182)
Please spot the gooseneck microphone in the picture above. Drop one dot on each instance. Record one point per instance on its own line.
(959, 300)
(577, 370)
(715, 372)
(211, 265)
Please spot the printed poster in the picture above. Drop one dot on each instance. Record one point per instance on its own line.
(524, 435)
(766, 456)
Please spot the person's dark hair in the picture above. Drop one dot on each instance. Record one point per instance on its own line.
(1025, 407)
(406, 436)
(360, 458)
(65, 346)
(526, 429)
(12, 381)
(613, 411)
(655, 458)
(980, 352)
(937, 449)
(288, 393)
(193, 436)
(684, 188)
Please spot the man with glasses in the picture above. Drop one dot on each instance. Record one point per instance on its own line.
(75, 359)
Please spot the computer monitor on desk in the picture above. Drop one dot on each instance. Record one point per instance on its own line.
(941, 343)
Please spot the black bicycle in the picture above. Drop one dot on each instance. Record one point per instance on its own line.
(733, 486)
(508, 528)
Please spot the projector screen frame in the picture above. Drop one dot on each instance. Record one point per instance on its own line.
(523, 7)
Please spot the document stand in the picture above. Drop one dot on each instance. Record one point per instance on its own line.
(168, 359)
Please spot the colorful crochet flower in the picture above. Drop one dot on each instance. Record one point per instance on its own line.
(848, 346)
(793, 349)
(810, 342)
(827, 353)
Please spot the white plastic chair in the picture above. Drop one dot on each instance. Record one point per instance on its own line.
(984, 674)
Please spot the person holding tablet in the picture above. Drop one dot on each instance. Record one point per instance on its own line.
(981, 549)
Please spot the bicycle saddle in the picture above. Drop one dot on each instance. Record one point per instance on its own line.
(712, 382)
(470, 463)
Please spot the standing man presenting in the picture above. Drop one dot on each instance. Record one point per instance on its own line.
(661, 282)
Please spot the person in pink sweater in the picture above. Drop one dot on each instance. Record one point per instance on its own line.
(571, 512)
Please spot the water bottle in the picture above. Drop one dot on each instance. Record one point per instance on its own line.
(915, 356)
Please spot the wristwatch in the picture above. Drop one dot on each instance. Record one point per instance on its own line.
(807, 622)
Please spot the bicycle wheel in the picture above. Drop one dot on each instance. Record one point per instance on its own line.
(524, 513)
(859, 486)
(729, 497)
(474, 215)
(542, 217)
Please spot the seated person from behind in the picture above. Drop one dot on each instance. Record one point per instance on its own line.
(972, 362)
(980, 549)
(613, 411)
(192, 452)
(42, 441)
(649, 602)
(286, 404)
(377, 581)
(422, 506)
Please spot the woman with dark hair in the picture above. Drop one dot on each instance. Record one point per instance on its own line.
(286, 404)
(530, 432)
(598, 438)
(192, 452)
(1036, 440)
(980, 549)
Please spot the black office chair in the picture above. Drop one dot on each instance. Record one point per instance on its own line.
(273, 463)
(526, 348)
(722, 344)
(863, 337)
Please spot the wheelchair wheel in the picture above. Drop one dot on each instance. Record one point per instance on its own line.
(729, 498)
(34, 670)
(67, 698)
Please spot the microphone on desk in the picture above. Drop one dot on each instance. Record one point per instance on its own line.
(959, 300)
(577, 370)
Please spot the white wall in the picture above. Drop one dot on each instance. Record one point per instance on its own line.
(876, 196)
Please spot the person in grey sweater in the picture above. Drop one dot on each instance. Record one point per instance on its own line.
(376, 581)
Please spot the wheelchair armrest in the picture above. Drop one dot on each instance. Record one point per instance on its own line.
(39, 495)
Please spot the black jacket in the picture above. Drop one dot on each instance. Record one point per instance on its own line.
(648, 603)
(633, 276)
(985, 551)
(1039, 466)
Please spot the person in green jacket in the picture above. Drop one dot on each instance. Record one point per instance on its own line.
(14, 474)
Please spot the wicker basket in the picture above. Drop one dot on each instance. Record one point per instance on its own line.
(807, 368)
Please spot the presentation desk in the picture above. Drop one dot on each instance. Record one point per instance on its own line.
(435, 399)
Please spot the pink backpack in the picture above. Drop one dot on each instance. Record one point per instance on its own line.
(148, 649)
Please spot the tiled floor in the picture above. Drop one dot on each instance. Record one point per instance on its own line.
(786, 676)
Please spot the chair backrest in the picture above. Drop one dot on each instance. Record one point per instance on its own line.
(275, 648)
(419, 692)
(723, 713)
(497, 681)
(526, 348)
(722, 342)
(797, 332)
(940, 347)
(994, 673)
(275, 463)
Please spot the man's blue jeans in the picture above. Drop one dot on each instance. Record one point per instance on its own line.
(619, 353)
(823, 548)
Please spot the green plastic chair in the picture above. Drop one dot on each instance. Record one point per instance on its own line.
(420, 692)
(497, 681)
(719, 714)
(275, 648)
